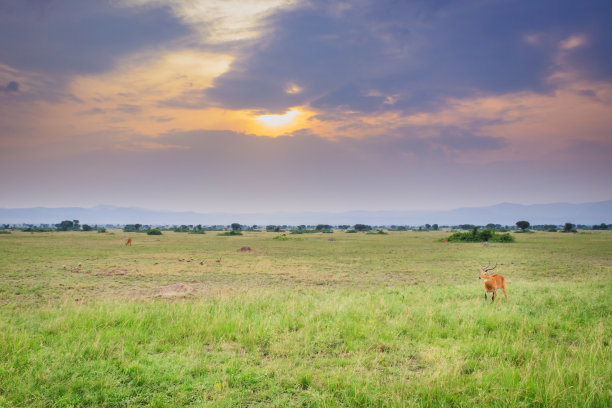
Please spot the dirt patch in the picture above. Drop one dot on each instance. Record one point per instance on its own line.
(116, 272)
(175, 290)
(245, 249)
(331, 239)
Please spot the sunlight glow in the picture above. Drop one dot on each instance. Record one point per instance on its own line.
(278, 120)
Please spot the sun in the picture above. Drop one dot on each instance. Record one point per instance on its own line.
(278, 120)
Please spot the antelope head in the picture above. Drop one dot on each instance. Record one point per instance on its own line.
(484, 271)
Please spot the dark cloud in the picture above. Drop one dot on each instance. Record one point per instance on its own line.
(128, 108)
(460, 140)
(12, 86)
(92, 111)
(75, 36)
(419, 52)
(162, 119)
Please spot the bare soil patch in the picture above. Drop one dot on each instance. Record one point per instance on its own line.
(175, 290)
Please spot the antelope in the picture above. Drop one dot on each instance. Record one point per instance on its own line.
(492, 282)
(128, 241)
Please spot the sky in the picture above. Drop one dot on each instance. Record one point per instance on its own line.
(297, 105)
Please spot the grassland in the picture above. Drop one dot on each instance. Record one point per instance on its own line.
(366, 320)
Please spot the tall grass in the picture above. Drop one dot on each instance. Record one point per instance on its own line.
(393, 320)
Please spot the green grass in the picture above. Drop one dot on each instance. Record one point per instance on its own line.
(366, 320)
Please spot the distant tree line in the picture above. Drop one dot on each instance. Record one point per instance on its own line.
(520, 226)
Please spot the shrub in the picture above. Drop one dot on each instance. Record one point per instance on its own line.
(101, 230)
(229, 233)
(35, 229)
(479, 236)
(309, 231)
(154, 231)
(284, 237)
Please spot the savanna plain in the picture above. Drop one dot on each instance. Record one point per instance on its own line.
(299, 320)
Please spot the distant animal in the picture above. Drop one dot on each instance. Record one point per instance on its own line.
(492, 282)
(128, 241)
(218, 260)
(485, 244)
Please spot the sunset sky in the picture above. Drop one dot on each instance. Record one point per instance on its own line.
(282, 105)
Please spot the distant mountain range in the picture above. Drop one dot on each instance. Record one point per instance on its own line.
(505, 214)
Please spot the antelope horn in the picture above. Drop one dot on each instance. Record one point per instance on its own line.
(484, 268)
(490, 269)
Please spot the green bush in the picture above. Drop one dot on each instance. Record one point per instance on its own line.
(154, 231)
(286, 238)
(101, 230)
(475, 235)
(229, 233)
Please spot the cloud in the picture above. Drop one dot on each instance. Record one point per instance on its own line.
(12, 86)
(459, 140)
(81, 37)
(128, 108)
(416, 54)
(92, 111)
(231, 171)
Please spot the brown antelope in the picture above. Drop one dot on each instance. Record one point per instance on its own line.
(492, 282)
(128, 241)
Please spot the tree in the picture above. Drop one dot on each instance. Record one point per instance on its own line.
(568, 227)
(86, 227)
(236, 226)
(65, 225)
(435, 227)
(321, 227)
(523, 225)
(486, 234)
(427, 226)
(362, 227)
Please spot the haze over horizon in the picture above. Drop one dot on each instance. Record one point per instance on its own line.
(287, 105)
